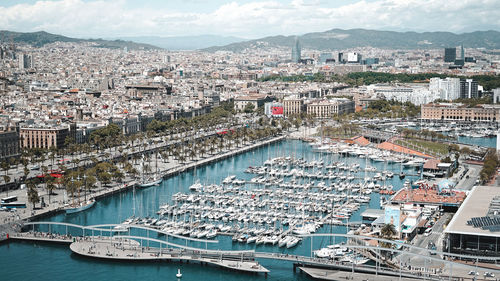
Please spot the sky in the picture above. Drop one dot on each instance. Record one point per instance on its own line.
(243, 18)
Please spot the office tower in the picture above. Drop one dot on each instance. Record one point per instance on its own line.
(323, 57)
(25, 61)
(296, 51)
(341, 58)
(450, 54)
(462, 52)
(468, 89)
(353, 57)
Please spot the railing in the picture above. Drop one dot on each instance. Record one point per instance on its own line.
(421, 252)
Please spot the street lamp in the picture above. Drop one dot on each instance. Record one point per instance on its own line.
(85, 186)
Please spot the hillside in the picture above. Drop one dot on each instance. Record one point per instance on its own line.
(40, 38)
(185, 42)
(337, 39)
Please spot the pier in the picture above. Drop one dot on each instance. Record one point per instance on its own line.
(133, 248)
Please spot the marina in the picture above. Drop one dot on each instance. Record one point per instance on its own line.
(264, 202)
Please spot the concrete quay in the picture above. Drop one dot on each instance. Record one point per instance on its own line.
(328, 274)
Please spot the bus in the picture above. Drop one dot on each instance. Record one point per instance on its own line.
(11, 202)
(9, 199)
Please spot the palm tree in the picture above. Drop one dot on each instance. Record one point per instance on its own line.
(388, 231)
(89, 181)
(50, 184)
(26, 172)
(32, 193)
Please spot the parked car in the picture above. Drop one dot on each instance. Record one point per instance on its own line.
(489, 274)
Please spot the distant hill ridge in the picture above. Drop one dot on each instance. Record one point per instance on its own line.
(336, 39)
(40, 38)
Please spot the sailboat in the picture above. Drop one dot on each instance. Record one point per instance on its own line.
(79, 207)
(147, 182)
(76, 207)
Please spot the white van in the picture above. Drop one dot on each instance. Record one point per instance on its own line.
(428, 231)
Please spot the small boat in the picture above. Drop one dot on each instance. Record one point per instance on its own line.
(179, 274)
(197, 186)
(292, 242)
(150, 182)
(75, 208)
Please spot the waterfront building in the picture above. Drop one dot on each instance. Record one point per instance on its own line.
(475, 228)
(460, 112)
(447, 89)
(468, 89)
(450, 54)
(46, 136)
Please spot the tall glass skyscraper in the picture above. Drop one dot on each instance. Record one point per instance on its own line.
(296, 51)
(450, 54)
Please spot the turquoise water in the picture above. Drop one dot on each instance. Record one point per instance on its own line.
(42, 261)
(486, 142)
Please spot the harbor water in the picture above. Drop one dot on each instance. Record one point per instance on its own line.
(44, 261)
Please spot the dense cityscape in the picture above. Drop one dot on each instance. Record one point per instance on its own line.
(257, 159)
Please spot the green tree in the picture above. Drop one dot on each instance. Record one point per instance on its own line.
(50, 184)
(33, 197)
(388, 231)
(249, 107)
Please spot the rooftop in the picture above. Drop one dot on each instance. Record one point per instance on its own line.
(429, 195)
(477, 204)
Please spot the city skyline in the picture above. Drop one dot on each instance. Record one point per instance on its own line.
(246, 19)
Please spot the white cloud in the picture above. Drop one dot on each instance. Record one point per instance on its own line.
(98, 18)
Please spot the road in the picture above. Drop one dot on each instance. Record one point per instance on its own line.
(436, 236)
(152, 143)
(469, 178)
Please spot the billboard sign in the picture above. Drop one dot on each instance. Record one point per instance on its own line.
(277, 110)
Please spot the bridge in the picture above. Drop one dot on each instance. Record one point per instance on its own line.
(112, 246)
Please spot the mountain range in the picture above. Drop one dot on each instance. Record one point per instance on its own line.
(185, 42)
(335, 39)
(338, 39)
(40, 38)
